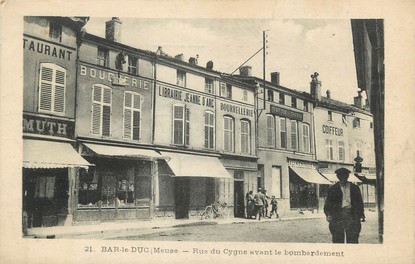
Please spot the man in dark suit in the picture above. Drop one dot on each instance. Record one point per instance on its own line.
(344, 209)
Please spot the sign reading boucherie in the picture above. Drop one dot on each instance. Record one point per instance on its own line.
(47, 126)
(286, 113)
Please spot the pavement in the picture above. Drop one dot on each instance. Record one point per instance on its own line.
(108, 230)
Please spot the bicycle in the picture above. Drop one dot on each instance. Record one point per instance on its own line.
(216, 210)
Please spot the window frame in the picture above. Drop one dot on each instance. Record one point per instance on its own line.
(230, 131)
(53, 86)
(209, 86)
(209, 130)
(294, 134)
(133, 109)
(281, 98)
(293, 102)
(330, 116)
(132, 67)
(270, 95)
(53, 29)
(341, 149)
(105, 58)
(329, 149)
(101, 104)
(182, 80)
(270, 128)
(283, 132)
(306, 138)
(185, 128)
(246, 147)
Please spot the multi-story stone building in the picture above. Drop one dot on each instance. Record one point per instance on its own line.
(50, 163)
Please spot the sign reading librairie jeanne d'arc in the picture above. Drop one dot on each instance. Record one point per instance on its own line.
(286, 113)
(48, 126)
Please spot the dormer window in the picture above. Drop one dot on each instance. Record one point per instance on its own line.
(55, 32)
(181, 78)
(293, 102)
(282, 98)
(102, 56)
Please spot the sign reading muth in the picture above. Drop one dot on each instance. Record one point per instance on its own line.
(47, 126)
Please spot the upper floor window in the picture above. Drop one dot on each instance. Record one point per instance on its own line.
(270, 131)
(281, 98)
(329, 149)
(102, 56)
(209, 86)
(344, 119)
(371, 124)
(283, 133)
(359, 149)
(270, 94)
(226, 90)
(228, 133)
(101, 110)
(55, 32)
(181, 125)
(305, 106)
(245, 137)
(132, 65)
(181, 78)
(52, 88)
(340, 144)
(294, 141)
(329, 115)
(132, 115)
(245, 96)
(306, 138)
(209, 130)
(293, 102)
(356, 122)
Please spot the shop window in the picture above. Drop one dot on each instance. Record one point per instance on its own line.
(209, 86)
(132, 65)
(245, 137)
(181, 125)
(270, 131)
(52, 88)
(306, 138)
(101, 110)
(329, 149)
(102, 56)
(88, 194)
(125, 189)
(270, 95)
(293, 102)
(341, 150)
(108, 189)
(283, 133)
(209, 130)
(294, 135)
(143, 183)
(281, 98)
(45, 187)
(55, 32)
(181, 78)
(229, 135)
(132, 115)
(226, 90)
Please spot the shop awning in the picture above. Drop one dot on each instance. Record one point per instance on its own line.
(39, 154)
(310, 175)
(186, 165)
(333, 177)
(116, 151)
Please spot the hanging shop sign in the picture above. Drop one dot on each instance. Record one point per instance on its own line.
(185, 97)
(47, 126)
(286, 113)
(332, 130)
(48, 49)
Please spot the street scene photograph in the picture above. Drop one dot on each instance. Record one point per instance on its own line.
(210, 130)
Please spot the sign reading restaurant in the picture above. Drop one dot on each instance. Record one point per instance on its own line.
(286, 113)
(47, 126)
(46, 48)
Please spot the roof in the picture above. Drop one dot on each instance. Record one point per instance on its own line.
(337, 105)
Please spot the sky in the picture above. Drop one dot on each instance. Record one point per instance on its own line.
(295, 48)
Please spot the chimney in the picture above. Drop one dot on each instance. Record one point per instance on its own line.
(245, 71)
(275, 78)
(179, 57)
(209, 65)
(113, 29)
(358, 100)
(315, 86)
(328, 94)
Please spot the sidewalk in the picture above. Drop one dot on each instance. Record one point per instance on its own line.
(115, 229)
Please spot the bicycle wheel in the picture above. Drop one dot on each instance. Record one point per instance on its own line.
(225, 212)
(209, 212)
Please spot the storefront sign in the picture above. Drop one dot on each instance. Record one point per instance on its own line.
(47, 49)
(332, 130)
(236, 109)
(186, 97)
(301, 164)
(113, 78)
(47, 126)
(286, 113)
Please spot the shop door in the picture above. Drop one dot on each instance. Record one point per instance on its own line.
(239, 208)
(181, 197)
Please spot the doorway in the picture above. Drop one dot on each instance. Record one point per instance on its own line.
(181, 197)
(239, 201)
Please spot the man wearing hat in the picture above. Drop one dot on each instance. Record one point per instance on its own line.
(344, 209)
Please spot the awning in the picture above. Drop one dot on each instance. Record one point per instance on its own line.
(115, 151)
(310, 175)
(333, 177)
(49, 155)
(186, 165)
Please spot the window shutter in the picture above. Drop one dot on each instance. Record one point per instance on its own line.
(46, 80)
(187, 127)
(60, 91)
(136, 125)
(96, 118)
(127, 123)
(106, 120)
(178, 124)
(137, 101)
(107, 96)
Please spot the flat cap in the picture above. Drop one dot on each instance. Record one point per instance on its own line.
(342, 171)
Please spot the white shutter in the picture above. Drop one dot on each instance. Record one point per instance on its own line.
(59, 102)
(96, 118)
(46, 82)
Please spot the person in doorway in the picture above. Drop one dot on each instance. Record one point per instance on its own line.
(259, 204)
(344, 209)
(250, 205)
(274, 207)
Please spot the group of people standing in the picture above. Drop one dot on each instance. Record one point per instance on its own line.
(257, 205)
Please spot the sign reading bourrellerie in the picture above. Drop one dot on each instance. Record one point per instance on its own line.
(47, 126)
(286, 113)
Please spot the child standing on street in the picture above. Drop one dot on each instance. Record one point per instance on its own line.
(274, 204)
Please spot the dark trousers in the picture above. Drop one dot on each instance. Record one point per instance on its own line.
(258, 211)
(345, 225)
